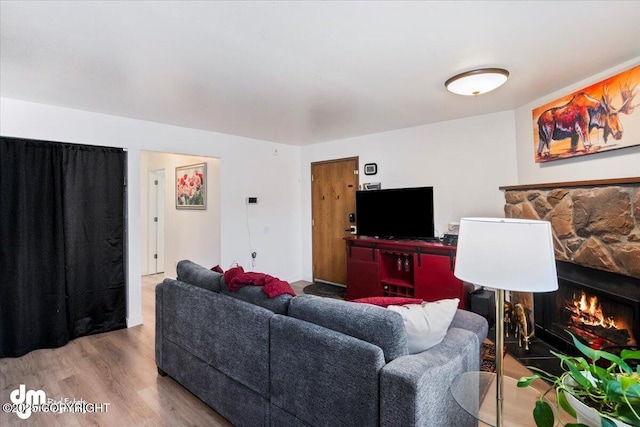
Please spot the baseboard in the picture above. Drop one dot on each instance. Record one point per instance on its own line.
(330, 283)
(134, 321)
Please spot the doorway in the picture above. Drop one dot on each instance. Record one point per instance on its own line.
(333, 206)
(155, 260)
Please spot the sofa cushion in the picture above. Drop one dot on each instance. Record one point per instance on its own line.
(427, 323)
(256, 295)
(376, 325)
(196, 275)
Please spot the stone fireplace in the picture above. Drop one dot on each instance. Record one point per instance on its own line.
(596, 227)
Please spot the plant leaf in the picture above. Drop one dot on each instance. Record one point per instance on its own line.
(595, 355)
(543, 374)
(577, 375)
(629, 354)
(564, 404)
(613, 392)
(626, 382)
(606, 422)
(526, 381)
(616, 360)
(564, 359)
(626, 415)
(543, 414)
(633, 392)
(587, 351)
(600, 373)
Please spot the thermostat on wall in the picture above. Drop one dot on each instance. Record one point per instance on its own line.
(252, 200)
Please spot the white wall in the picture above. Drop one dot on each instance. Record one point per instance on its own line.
(247, 168)
(610, 164)
(188, 234)
(464, 160)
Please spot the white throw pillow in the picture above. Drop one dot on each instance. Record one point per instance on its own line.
(427, 323)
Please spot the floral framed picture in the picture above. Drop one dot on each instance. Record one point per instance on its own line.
(191, 188)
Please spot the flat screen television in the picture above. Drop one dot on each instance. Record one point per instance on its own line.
(398, 213)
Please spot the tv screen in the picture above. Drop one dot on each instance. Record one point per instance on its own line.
(398, 213)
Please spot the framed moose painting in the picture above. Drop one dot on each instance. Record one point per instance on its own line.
(598, 118)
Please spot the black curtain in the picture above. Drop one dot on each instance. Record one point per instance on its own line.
(62, 256)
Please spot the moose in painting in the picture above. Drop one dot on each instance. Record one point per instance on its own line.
(579, 116)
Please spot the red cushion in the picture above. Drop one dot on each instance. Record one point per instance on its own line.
(387, 301)
(217, 269)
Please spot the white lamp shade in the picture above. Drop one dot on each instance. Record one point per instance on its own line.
(505, 253)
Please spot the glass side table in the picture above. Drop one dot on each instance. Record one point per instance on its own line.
(475, 392)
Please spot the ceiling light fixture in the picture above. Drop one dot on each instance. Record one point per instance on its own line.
(477, 82)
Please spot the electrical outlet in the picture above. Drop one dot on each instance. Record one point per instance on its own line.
(252, 200)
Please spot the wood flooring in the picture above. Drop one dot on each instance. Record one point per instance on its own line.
(117, 368)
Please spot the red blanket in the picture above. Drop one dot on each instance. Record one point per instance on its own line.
(236, 278)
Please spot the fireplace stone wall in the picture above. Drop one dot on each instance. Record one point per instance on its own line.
(595, 224)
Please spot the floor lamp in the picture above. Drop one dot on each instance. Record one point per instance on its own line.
(506, 255)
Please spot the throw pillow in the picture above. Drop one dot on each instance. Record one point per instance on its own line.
(426, 324)
(387, 301)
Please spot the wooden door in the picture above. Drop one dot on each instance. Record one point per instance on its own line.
(333, 198)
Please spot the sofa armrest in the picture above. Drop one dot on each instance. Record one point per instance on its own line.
(414, 389)
(472, 322)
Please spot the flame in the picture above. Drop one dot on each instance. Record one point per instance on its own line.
(590, 306)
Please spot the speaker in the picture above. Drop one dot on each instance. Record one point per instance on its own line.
(450, 239)
(483, 302)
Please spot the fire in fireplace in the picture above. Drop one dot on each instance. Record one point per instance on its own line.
(587, 319)
(601, 308)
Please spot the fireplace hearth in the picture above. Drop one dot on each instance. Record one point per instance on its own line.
(599, 307)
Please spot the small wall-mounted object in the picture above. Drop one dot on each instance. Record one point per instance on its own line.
(450, 239)
(371, 186)
(252, 200)
(370, 168)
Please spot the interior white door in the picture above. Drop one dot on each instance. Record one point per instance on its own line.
(160, 224)
(155, 260)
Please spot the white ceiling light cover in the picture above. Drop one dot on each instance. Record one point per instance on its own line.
(477, 82)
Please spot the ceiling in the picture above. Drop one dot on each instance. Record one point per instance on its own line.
(302, 72)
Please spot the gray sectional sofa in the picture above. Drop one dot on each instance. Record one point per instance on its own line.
(305, 360)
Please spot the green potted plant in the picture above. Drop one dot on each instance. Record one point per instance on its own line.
(599, 389)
